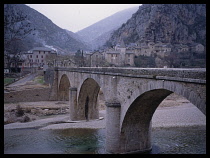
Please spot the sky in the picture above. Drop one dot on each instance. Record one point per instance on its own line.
(75, 17)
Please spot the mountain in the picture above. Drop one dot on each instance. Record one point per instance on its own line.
(99, 41)
(47, 33)
(168, 23)
(98, 33)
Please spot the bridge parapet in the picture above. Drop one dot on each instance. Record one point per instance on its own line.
(195, 75)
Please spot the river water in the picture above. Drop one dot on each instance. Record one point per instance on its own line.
(176, 140)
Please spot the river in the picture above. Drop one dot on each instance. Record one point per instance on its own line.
(174, 140)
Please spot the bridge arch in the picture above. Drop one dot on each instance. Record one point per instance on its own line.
(135, 130)
(87, 107)
(63, 89)
(135, 126)
(190, 92)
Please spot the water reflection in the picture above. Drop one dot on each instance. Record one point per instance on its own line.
(90, 141)
(188, 140)
(68, 141)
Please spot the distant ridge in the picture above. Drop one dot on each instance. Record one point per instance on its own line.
(98, 33)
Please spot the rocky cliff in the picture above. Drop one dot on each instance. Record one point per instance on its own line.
(168, 23)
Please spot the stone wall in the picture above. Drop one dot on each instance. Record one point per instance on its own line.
(49, 76)
(194, 73)
(31, 95)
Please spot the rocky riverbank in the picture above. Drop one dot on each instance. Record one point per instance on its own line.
(30, 111)
(175, 116)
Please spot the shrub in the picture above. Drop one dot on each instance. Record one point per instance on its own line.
(19, 111)
(27, 110)
(26, 119)
(144, 61)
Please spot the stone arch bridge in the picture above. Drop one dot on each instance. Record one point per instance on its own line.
(131, 97)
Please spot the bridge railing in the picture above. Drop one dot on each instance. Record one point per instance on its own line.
(195, 75)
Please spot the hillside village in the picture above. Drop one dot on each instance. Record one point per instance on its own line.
(118, 55)
(124, 55)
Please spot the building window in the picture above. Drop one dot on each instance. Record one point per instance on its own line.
(39, 52)
(42, 56)
(44, 52)
(112, 55)
(37, 56)
(116, 55)
(42, 61)
(30, 56)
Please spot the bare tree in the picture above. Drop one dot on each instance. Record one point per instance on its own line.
(13, 54)
(171, 59)
(63, 59)
(79, 58)
(16, 53)
(16, 28)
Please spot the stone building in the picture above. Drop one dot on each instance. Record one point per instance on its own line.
(36, 56)
(120, 56)
(95, 59)
(163, 49)
(181, 48)
(151, 48)
(113, 57)
(129, 58)
(168, 47)
(121, 47)
(196, 47)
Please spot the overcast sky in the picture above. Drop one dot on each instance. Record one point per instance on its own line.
(75, 17)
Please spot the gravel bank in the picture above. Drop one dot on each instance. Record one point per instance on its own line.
(176, 116)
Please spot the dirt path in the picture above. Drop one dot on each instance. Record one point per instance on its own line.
(23, 80)
(28, 82)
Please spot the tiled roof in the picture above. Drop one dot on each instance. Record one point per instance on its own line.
(129, 53)
(113, 52)
(42, 49)
(193, 44)
(144, 47)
